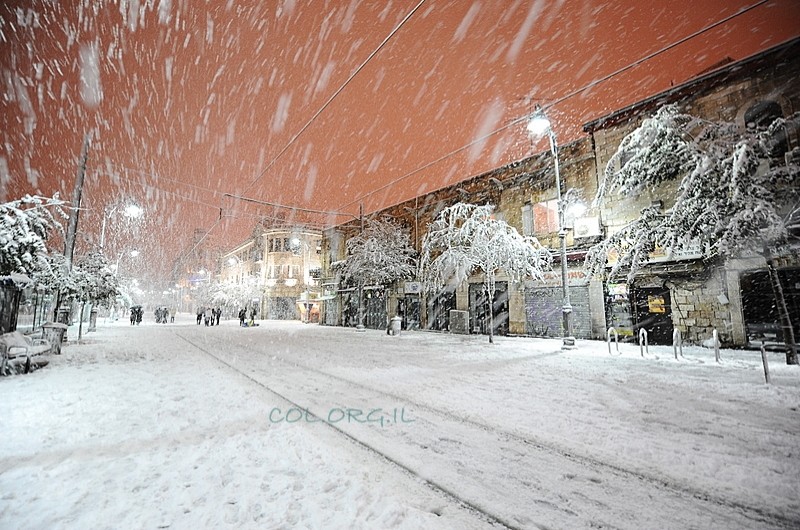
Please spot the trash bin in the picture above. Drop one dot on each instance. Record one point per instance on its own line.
(53, 332)
(395, 325)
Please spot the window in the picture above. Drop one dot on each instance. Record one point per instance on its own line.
(297, 246)
(545, 217)
(286, 245)
(527, 220)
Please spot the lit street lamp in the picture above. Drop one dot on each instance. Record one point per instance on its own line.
(539, 124)
(131, 210)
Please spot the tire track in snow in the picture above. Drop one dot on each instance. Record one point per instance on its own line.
(485, 516)
(752, 513)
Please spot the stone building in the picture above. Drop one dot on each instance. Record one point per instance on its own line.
(284, 262)
(688, 292)
(684, 292)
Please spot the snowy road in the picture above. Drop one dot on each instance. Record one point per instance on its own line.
(422, 430)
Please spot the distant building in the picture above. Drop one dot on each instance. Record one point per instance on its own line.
(284, 263)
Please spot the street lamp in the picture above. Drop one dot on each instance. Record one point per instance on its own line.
(131, 210)
(539, 124)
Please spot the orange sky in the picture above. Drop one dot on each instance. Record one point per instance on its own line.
(189, 100)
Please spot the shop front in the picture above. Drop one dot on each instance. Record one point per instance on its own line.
(544, 305)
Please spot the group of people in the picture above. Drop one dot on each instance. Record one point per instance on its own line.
(209, 315)
(243, 317)
(162, 313)
(136, 315)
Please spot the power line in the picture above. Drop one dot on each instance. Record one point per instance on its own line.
(293, 208)
(333, 96)
(561, 99)
(160, 189)
(656, 53)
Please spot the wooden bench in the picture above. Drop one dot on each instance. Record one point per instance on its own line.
(17, 349)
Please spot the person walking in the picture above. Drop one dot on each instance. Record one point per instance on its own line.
(218, 314)
(199, 315)
(242, 316)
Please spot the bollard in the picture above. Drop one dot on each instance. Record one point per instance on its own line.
(764, 361)
(608, 339)
(715, 338)
(677, 343)
(643, 340)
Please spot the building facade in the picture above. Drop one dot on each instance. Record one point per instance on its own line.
(690, 293)
(284, 264)
(684, 292)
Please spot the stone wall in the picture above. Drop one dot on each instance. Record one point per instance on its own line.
(700, 307)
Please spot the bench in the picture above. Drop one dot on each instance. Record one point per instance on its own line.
(17, 349)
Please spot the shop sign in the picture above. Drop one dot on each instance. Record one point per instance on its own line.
(412, 287)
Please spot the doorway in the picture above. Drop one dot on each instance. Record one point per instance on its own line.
(478, 309)
(653, 312)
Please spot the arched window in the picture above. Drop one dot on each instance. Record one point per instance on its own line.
(759, 117)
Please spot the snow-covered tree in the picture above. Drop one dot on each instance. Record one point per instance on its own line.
(466, 239)
(94, 283)
(94, 280)
(381, 254)
(732, 195)
(90, 280)
(235, 295)
(25, 225)
(54, 275)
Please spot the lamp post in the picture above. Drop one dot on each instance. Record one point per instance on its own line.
(539, 124)
(131, 210)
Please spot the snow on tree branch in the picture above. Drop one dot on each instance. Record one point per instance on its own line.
(94, 280)
(380, 255)
(236, 295)
(25, 225)
(465, 239)
(733, 193)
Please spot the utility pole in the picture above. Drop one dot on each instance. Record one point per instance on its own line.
(72, 229)
(69, 243)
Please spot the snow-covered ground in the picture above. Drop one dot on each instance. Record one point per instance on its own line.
(181, 426)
